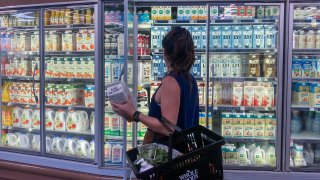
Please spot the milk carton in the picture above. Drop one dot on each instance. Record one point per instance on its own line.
(216, 37)
(226, 92)
(180, 13)
(301, 95)
(269, 95)
(217, 94)
(89, 95)
(270, 36)
(316, 61)
(202, 13)
(187, 13)
(259, 125)
(247, 36)
(238, 125)
(203, 65)
(227, 124)
(226, 32)
(167, 13)
(248, 125)
(196, 36)
(35, 42)
(296, 67)
(194, 13)
(314, 95)
(154, 13)
(203, 37)
(235, 66)
(237, 94)
(214, 12)
(216, 67)
(237, 36)
(258, 36)
(157, 67)
(271, 123)
(248, 94)
(259, 94)
(196, 68)
(161, 13)
(308, 67)
(225, 68)
(156, 37)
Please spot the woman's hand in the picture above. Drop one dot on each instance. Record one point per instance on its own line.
(125, 110)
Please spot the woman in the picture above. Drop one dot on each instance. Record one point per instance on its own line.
(176, 99)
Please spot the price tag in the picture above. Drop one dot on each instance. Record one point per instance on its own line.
(69, 79)
(242, 108)
(68, 52)
(192, 21)
(70, 108)
(311, 109)
(259, 79)
(68, 26)
(314, 23)
(215, 107)
(170, 21)
(256, 20)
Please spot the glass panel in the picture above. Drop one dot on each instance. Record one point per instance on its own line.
(69, 76)
(114, 63)
(243, 68)
(20, 80)
(305, 116)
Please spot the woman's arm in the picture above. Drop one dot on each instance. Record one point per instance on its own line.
(148, 137)
(170, 104)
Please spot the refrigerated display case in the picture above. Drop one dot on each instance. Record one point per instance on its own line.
(20, 120)
(303, 145)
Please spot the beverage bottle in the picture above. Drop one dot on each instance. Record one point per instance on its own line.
(140, 21)
(317, 39)
(308, 154)
(302, 39)
(317, 154)
(82, 16)
(316, 123)
(88, 16)
(56, 17)
(62, 16)
(271, 156)
(53, 14)
(76, 17)
(68, 17)
(146, 16)
(296, 124)
(299, 159)
(244, 154)
(311, 40)
(308, 120)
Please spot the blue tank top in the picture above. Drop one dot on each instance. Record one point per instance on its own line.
(189, 103)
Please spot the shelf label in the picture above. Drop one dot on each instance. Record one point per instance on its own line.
(70, 108)
(215, 107)
(170, 21)
(259, 79)
(242, 108)
(311, 109)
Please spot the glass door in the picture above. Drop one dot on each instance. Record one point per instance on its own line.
(245, 58)
(69, 77)
(303, 152)
(20, 71)
(153, 23)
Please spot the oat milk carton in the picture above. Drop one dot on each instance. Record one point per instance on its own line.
(238, 125)
(216, 37)
(248, 93)
(259, 93)
(237, 94)
(248, 125)
(226, 32)
(237, 41)
(258, 36)
(270, 36)
(269, 95)
(247, 36)
(270, 125)
(315, 94)
(259, 125)
(227, 124)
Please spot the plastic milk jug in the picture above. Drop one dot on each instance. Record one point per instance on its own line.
(16, 117)
(70, 146)
(11, 140)
(60, 120)
(91, 149)
(48, 144)
(82, 148)
(308, 154)
(24, 141)
(74, 123)
(57, 145)
(84, 118)
(27, 118)
(299, 159)
(50, 116)
(36, 119)
(35, 145)
(92, 122)
(317, 154)
(271, 156)
(244, 154)
(259, 156)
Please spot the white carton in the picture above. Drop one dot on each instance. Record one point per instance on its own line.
(118, 92)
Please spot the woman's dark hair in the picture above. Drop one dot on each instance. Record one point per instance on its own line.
(179, 49)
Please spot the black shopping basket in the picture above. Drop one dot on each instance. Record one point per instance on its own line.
(201, 159)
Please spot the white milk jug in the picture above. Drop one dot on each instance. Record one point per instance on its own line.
(271, 156)
(16, 117)
(299, 159)
(70, 146)
(259, 156)
(27, 118)
(116, 156)
(74, 123)
(24, 141)
(91, 150)
(60, 120)
(57, 145)
(83, 148)
(11, 140)
(244, 155)
(92, 122)
(84, 118)
(48, 144)
(50, 115)
(35, 145)
(36, 119)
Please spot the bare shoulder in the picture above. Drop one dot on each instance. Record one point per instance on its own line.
(169, 83)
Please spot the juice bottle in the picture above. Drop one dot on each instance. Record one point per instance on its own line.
(82, 16)
(68, 17)
(53, 14)
(56, 17)
(76, 17)
(88, 19)
(61, 16)
(47, 15)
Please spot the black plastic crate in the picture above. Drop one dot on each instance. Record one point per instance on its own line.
(201, 159)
